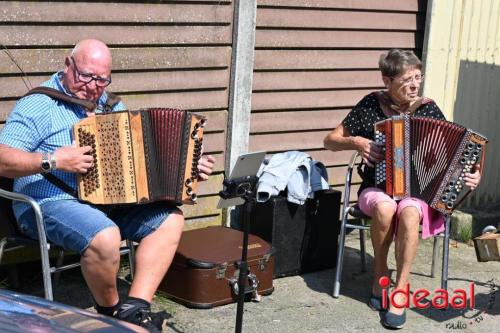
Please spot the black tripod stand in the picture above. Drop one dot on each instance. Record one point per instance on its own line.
(244, 188)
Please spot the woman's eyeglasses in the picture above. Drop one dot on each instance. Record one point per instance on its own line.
(88, 77)
(408, 81)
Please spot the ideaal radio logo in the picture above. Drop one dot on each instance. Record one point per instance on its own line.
(442, 299)
(472, 317)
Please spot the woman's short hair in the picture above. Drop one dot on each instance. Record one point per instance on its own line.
(397, 61)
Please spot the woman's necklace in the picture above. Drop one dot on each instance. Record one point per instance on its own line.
(398, 108)
(389, 108)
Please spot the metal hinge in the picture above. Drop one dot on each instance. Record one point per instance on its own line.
(221, 271)
(263, 262)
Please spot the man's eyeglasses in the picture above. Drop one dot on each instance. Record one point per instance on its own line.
(408, 81)
(88, 77)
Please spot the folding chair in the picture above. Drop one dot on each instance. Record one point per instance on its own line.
(13, 239)
(355, 211)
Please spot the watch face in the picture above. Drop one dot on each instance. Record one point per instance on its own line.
(45, 165)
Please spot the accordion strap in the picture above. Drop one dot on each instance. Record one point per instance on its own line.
(59, 183)
(415, 105)
(390, 109)
(56, 94)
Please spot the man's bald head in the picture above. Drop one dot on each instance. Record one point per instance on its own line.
(90, 57)
(91, 50)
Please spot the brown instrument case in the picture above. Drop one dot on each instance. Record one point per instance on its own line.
(204, 271)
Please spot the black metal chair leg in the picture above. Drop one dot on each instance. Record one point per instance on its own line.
(362, 246)
(131, 257)
(435, 256)
(59, 262)
(446, 252)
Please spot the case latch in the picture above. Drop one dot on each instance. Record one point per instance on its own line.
(251, 289)
(263, 261)
(221, 271)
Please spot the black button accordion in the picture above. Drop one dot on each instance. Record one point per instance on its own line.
(427, 159)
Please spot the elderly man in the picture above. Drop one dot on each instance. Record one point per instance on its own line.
(37, 139)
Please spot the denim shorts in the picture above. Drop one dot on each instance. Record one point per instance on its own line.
(72, 224)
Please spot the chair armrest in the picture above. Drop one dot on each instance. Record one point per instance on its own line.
(352, 161)
(14, 196)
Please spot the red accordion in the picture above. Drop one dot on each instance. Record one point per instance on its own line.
(141, 156)
(426, 159)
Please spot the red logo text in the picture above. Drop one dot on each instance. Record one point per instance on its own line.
(440, 299)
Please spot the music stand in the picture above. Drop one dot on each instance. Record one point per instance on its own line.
(240, 189)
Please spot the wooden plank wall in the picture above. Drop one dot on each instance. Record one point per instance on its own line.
(169, 54)
(314, 60)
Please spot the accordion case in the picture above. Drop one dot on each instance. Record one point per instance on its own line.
(427, 159)
(204, 271)
(141, 156)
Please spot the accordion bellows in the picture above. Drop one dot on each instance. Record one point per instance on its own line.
(141, 156)
(427, 159)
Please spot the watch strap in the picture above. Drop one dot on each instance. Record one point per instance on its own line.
(45, 165)
(53, 165)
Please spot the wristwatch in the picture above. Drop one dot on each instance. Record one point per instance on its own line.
(46, 164)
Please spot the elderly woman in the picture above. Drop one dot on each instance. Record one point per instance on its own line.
(402, 77)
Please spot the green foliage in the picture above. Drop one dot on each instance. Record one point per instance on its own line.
(161, 301)
(465, 233)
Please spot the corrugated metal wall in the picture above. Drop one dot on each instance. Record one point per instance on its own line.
(168, 53)
(463, 75)
(314, 60)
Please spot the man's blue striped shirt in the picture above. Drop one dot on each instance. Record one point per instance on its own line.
(39, 123)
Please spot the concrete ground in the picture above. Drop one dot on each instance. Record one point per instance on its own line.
(304, 303)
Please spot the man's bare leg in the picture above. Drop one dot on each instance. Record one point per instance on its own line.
(100, 263)
(154, 256)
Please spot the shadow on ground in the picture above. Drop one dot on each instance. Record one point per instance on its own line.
(69, 288)
(355, 285)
